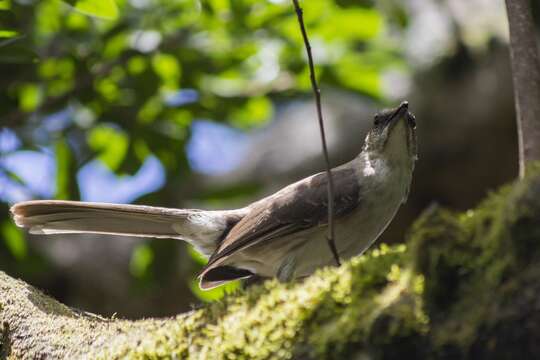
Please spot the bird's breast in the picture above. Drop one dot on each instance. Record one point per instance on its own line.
(379, 200)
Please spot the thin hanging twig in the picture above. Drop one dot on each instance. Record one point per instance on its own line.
(331, 232)
(526, 77)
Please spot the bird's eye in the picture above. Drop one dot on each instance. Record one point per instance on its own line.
(377, 120)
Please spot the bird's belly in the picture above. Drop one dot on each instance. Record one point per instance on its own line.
(354, 234)
(266, 259)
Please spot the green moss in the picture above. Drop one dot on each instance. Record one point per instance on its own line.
(3, 344)
(466, 287)
(467, 259)
(332, 314)
(315, 318)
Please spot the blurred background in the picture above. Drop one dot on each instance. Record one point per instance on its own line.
(207, 104)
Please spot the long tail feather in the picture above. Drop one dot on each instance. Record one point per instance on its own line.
(201, 228)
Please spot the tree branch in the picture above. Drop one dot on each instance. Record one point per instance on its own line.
(389, 303)
(331, 231)
(252, 324)
(526, 79)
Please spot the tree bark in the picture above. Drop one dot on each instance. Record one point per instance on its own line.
(526, 79)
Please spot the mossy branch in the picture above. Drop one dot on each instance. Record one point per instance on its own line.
(270, 321)
(467, 287)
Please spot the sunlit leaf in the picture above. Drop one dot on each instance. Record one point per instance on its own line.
(220, 6)
(56, 68)
(76, 21)
(214, 294)
(150, 109)
(59, 73)
(353, 24)
(105, 9)
(14, 240)
(357, 73)
(108, 89)
(49, 21)
(136, 65)
(197, 256)
(257, 111)
(30, 97)
(5, 4)
(115, 45)
(63, 158)
(8, 33)
(168, 69)
(110, 143)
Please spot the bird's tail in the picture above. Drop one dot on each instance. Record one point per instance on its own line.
(202, 228)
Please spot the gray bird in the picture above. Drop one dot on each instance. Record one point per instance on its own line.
(282, 235)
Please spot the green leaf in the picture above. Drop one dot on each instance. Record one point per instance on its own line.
(30, 97)
(77, 21)
(8, 34)
(352, 24)
(110, 143)
(115, 45)
(63, 159)
(108, 88)
(150, 110)
(256, 112)
(136, 65)
(14, 240)
(5, 4)
(104, 9)
(214, 294)
(168, 69)
(197, 256)
(358, 73)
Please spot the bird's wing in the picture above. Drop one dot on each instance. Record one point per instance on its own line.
(297, 207)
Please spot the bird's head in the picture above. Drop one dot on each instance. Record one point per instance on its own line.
(393, 134)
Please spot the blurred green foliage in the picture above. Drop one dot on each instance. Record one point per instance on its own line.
(141, 260)
(14, 240)
(114, 63)
(105, 9)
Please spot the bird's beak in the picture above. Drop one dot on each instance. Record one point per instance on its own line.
(400, 112)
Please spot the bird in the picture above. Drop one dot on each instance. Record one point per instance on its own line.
(282, 235)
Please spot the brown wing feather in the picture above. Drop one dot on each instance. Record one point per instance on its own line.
(295, 208)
